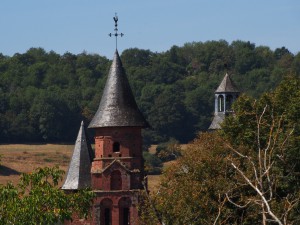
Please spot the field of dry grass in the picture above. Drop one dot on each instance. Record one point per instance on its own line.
(19, 158)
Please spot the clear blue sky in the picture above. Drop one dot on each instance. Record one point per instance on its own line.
(83, 25)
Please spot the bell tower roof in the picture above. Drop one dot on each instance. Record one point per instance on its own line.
(227, 85)
(117, 106)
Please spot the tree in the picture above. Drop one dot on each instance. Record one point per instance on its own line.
(174, 89)
(168, 114)
(246, 174)
(296, 64)
(38, 200)
(136, 57)
(168, 151)
(192, 190)
(244, 56)
(153, 164)
(265, 154)
(279, 52)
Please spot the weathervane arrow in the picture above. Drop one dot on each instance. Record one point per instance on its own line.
(116, 34)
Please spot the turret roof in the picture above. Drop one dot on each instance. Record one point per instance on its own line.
(227, 85)
(79, 173)
(117, 106)
(217, 120)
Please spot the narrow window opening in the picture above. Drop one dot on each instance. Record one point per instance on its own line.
(116, 147)
(105, 212)
(221, 103)
(124, 211)
(126, 216)
(107, 216)
(229, 101)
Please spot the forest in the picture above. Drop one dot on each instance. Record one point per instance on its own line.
(45, 95)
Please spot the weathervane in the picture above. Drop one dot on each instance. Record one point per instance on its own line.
(116, 34)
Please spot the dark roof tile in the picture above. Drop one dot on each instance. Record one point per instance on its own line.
(117, 106)
(79, 173)
(227, 85)
(216, 123)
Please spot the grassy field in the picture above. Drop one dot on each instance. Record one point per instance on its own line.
(18, 158)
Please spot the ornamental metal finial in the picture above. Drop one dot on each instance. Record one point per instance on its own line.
(116, 34)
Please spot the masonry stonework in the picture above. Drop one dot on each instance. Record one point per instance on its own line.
(115, 170)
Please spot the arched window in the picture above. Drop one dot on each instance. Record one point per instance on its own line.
(106, 211)
(220, 103)
(124, 210)
(116, 180)
(116, 147)
(229, 101)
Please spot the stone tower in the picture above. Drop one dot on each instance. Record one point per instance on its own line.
(225, 95)
(117, 170)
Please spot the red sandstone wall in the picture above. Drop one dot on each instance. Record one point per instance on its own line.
(129, 158)
(118, 201)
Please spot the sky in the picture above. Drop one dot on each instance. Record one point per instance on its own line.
(83, 25)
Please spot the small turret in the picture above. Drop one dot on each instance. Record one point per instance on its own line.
(79, 173)
(225, 95)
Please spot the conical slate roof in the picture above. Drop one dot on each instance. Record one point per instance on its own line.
(79, 173)
(227, 85)
(117, 106)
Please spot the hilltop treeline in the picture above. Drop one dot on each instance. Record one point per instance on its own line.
(44, 95)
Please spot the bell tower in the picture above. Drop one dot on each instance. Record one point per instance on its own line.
(117, 170)
(225, 95)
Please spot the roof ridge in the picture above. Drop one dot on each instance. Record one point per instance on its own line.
(116, 161)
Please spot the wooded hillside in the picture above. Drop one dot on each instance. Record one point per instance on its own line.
(44, 95)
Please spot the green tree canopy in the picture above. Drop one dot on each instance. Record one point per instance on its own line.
(38, 200)
(174, 89)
